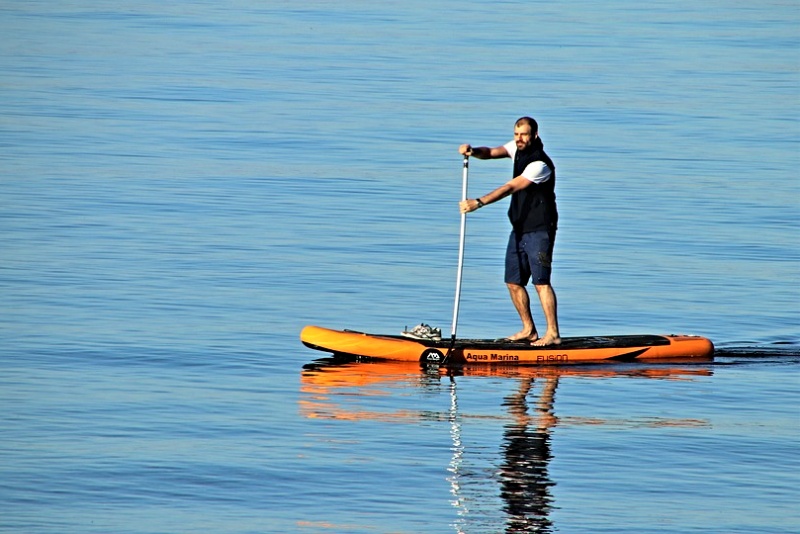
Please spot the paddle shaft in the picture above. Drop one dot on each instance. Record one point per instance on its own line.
(462, 239)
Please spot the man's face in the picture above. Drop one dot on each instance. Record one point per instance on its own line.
(523, 136)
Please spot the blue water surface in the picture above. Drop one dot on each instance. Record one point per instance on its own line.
(185, 185)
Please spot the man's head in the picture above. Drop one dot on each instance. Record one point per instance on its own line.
(525, 131)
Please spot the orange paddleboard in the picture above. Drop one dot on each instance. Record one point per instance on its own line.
(572, 350)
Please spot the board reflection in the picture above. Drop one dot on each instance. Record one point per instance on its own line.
(331, 387)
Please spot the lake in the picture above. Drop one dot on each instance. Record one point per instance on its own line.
(184, 186)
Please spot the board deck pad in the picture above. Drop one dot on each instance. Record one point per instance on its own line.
(566, 342)
(570, 350)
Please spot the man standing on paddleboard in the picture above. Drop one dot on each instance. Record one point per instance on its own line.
(534, 219)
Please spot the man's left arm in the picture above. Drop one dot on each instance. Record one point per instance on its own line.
(533, 174)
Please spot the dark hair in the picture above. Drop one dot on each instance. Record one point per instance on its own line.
(530, 122)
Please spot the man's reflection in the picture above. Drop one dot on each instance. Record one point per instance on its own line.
(524, 480)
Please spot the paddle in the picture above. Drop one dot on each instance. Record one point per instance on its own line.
(464, 180)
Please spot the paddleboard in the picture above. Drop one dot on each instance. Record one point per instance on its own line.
(572, 350)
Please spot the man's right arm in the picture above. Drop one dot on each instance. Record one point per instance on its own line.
(483, 152)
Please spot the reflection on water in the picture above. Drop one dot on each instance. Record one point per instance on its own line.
(337, 388)
(457, 460)
(524, 479)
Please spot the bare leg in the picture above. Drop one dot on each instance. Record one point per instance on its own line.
(522, 302)
(550, 307)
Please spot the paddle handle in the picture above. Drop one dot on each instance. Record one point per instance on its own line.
(462, 239)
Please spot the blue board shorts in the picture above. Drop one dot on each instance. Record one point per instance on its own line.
(530, 257)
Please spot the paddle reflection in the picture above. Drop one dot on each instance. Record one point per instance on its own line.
(529, 418)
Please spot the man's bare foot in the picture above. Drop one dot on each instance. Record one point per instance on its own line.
(523, 336)
(547, 340)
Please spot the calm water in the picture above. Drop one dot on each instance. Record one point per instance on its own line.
(184, 185)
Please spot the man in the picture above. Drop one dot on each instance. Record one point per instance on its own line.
(534, 219)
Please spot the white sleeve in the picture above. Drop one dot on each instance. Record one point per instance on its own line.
(537, 172)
